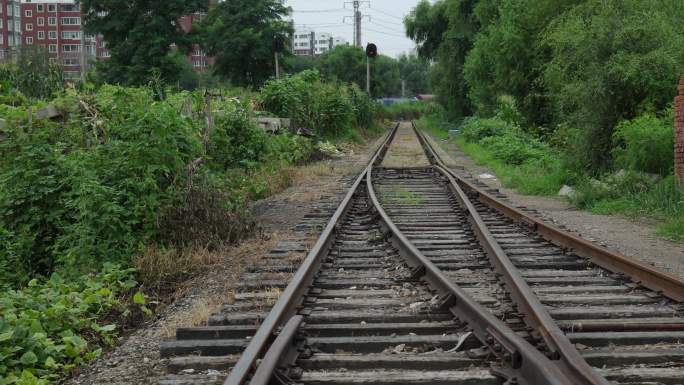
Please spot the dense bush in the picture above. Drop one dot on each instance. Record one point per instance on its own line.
(329, 109)
(49, 327)
(645, 144)
(235, 140)
(96, 186)
(475, 129)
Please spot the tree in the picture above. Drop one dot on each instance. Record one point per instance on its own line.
(415, 72)
(295, 64)
(240, 35)
(507, 58)
(445, 31)
(347, 64)
(612, 60)
(37, 77)
(140, 35)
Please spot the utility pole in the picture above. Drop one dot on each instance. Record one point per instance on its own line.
(357, 24)
(358, 17)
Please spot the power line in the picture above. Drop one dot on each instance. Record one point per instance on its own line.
(385, 33)
(387, 14)
(387, 28)
(320, 10)
(382, 21)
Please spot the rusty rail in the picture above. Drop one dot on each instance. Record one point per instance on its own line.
(527, 364)
(293, 295)
(639, 272)
(561, 350)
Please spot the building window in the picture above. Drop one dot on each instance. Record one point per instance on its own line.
(70, 8)
(71, 21)
(17, 10)
(41, 35)
(29, 27)
(52, 7)
(52, 48)
(40, 21)
(52, 35)
(53, 60)
(28, 13)
(0, 20)
(71, 48)
(17, 25)
(105, 54)
(52, 21)
(2, 37)
(70, 62)
(29, 41)
(40, 8)
(71, 35)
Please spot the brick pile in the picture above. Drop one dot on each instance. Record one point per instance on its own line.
(679, 132)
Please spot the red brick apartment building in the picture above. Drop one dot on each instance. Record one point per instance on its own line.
(199, 60)
(10, 28)
(56, 25)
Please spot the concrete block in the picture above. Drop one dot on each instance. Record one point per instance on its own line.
(48, 112)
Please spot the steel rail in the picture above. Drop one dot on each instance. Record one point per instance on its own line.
(293, 295)
(561, 350)
(275, 353)
(527, 364)
(639, 272)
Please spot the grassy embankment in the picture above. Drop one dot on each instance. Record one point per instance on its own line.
(533, 167)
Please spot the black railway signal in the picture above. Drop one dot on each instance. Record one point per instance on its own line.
(371, 50)
(279, 43)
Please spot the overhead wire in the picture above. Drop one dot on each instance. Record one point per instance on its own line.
(386, 14)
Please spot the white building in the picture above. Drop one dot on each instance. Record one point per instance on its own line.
(303, 41)
(307, 42)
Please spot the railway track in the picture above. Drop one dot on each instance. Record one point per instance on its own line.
(421, 277)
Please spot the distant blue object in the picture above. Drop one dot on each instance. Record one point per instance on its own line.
(390, 101)
(453, 133)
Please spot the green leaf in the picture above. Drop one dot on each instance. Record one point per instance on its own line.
(139, 298)
(6, 336)
(29, 358)
(108, 328)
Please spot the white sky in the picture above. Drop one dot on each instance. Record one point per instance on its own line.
(385, 27)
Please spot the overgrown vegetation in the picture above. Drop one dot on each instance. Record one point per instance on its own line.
(563, 92)
(133, 178)
(330, 109)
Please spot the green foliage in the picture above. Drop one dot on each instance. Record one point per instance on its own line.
(139, 36)
(645, 144)
(612, 60)
(347, 64)
(445, 31)
(506, 57)
(476, 129)
(49, 327)
(636, 194)
(240, 35)
(414, 70)
(235, 140)
(330, 109)
(406, 111)
(34, 76)
(291, 149)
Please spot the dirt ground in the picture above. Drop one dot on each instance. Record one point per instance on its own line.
(634, 238)
(136, 360)
(405, 150)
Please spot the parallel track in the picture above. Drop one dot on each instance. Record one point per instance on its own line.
(417, 279)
